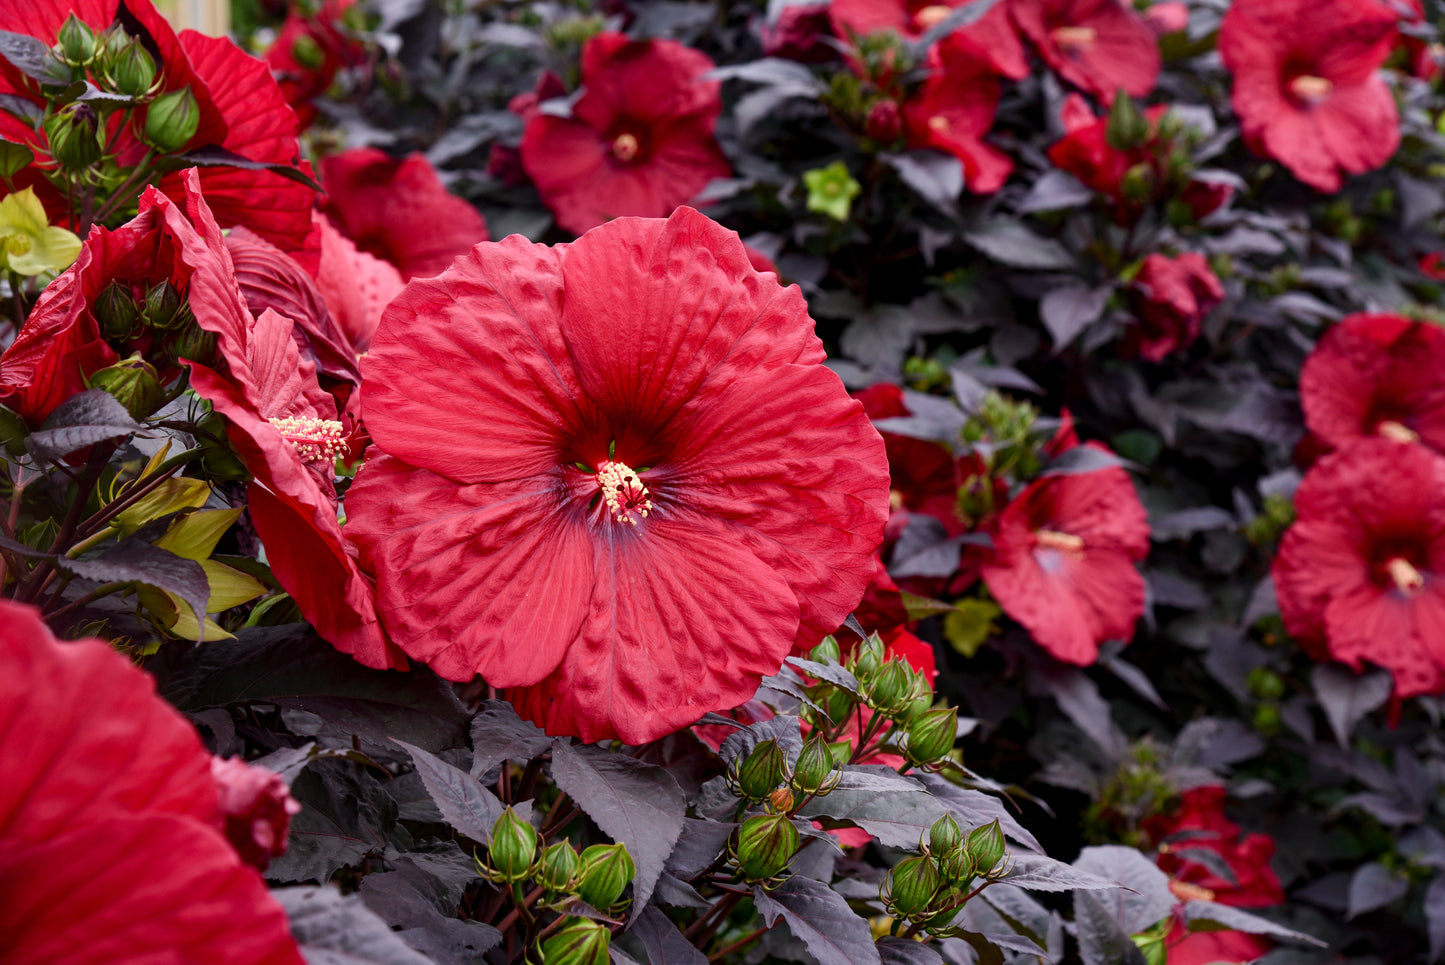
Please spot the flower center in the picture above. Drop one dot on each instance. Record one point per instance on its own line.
(1185, 891)
(938, 124)
(1406, 578)
(17, 245)
(1064, 542)
(1390, 429)
(316, 440)
(1309, 89)
(931, 15)
(1073, 38)
(625, 147)
(623, 492)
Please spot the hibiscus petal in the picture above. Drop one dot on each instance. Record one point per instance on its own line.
(661, 648)
(152, 889)
(495, 313)
(489, 579)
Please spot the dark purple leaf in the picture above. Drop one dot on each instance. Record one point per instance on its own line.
(934, 176)
(819, 917)
(638, 804)
(82, 420)
(1079, 699)
(33, 58)
(1009, 243)
(1069, 310)
(345, 815)
(1210, 916)
(468, 807)
(1184, 523)
(1081, 459)
(137, 561)
(1055, 191)
(1435, 916)
(830, 672)
(698, 846)
(1374, 886)
(972, 808)
(1037, 872)
(663, 942)
(1143, 897)
(1102, 940)
(957, 19)
(906, 951)
(213, 156)
(498, 734)
(783, 728)
(1347, 696)
(336, 930)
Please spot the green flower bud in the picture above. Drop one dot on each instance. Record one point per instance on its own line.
(892, 689)
(766, 843)
(194, 344)
(77, 42)
(826, 652)
(162, 306)
(580, 942)
(116, 312)
(1265, 684)
(14, 158)
(910, 887)
(557, 871)
(1138, 182)
(514, 847)
(986, 846)
(307, 52)
(74, 136)
(781, 799)
(134, 383)
(931, 735)
(606, 871)
(954, 867)
(945, 835)
(869, 658)
(814, 772)
(1127, 127)
(172, 120)
(763, 770)
(132, 71)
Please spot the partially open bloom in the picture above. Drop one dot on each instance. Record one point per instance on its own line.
(639, 140)
(1098, 45)
(1376, 375)
(398, 210)
(1306, 84)
(1198, 825)
(111, 841)
(1361, 574)
(257, 808)
(1063, 563)
(1171, 298)
(612, 476)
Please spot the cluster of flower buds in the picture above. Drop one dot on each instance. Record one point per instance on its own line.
(599, 875)
(156, 318)
(1007, 439)
(931, 887)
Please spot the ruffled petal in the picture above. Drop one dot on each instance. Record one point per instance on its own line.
(476, 579)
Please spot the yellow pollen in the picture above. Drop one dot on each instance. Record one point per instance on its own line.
(623, 492)
(1395, 432)
(17, 245)
(1310, 89)
(938, 123)
(931, 16)
(316, 440)
(625, 147)
(1074, 38)
(1054, 540)
(1184, 891)
(1407, 579)
(895, 500)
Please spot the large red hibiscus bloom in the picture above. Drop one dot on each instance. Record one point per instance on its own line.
(242, 110)
(955, 109)
(640, 138)
(398, 210)
(111, 835)
(1376, 375)
(1306, 87)
(1361, 574)
(1063, 563)
(615, 476)
(992, 35)
(1098, 45)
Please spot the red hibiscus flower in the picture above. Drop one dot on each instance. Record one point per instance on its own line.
(1084, 151)
(954, 110)
(1199, 824)
(991, 36)
(1063, 561)
(398, 211)
(1097, 45)
(241, 110)
(309, 52)
(1171, 297)
(632, 491)
(111, 843)
(1305, 84)
(1361, 574)
(1376, 375)
(640, 138)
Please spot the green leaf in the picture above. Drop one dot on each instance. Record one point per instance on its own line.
(195, 536)
(82, 420)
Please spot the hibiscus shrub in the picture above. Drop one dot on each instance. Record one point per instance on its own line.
(910, 482)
